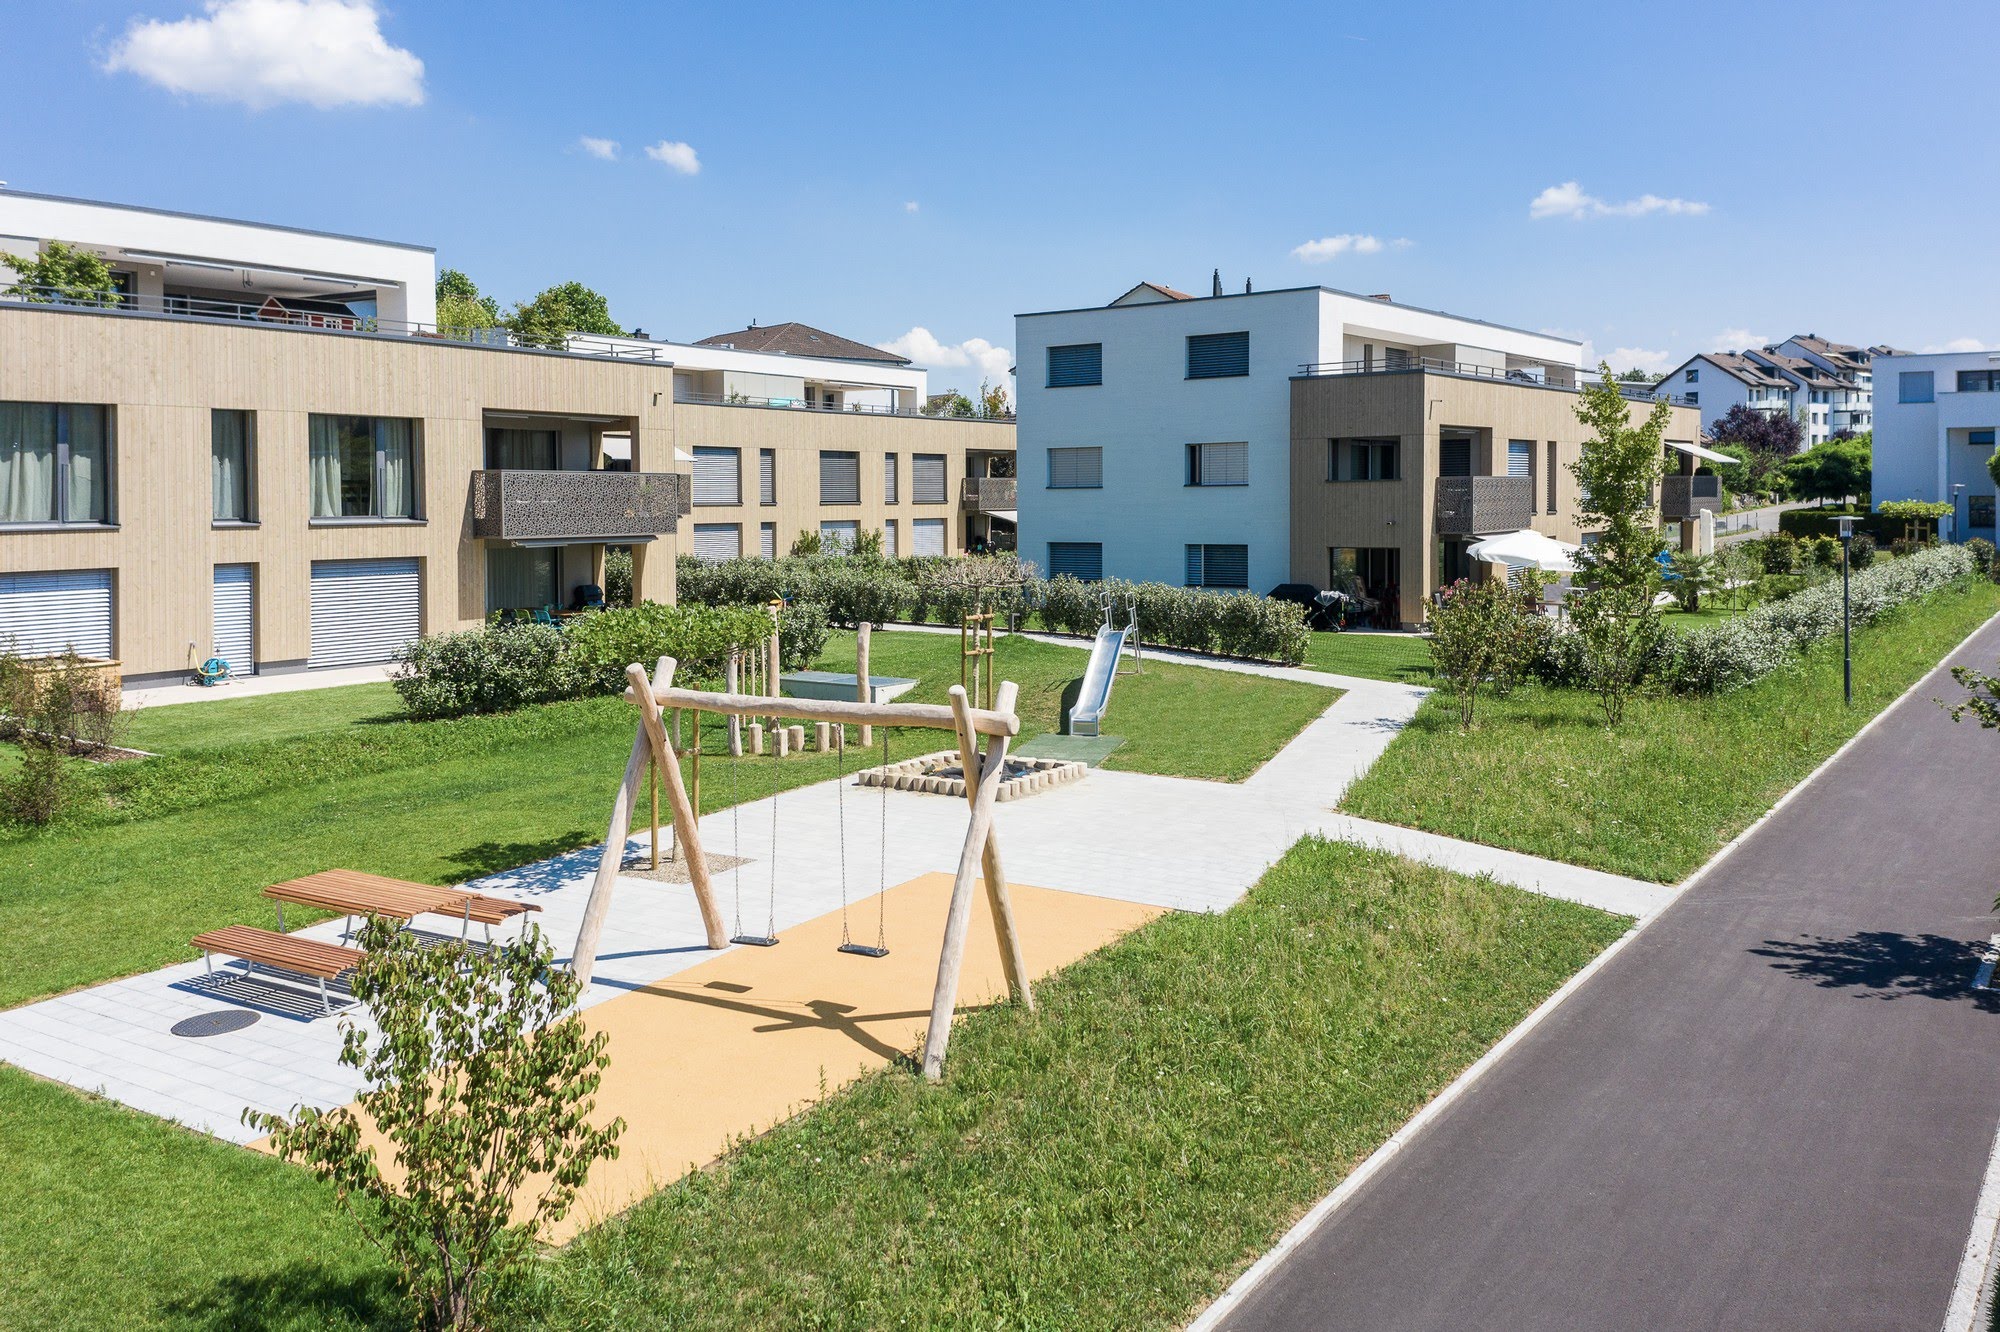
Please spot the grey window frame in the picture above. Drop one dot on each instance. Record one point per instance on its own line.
(1078, 450)
(248, 518)
(1923, 380)
(767, 477)
(892, 479)
(1095, 376)
(1209, 345)
(1194, 476)
(59, 501)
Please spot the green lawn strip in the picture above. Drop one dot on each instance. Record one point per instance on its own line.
(171, 728)
(1402, 658)
(1655, 797)
(1114, 1159)
(117, 1219)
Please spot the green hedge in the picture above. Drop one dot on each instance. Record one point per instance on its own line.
(1826, 522)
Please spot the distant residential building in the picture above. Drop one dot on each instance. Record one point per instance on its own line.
(1935, 427)
(1827, 386)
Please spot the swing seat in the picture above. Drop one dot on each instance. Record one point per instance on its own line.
(863, 950)
(755, 940)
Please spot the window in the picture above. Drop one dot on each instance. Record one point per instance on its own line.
(229, 455)
(1979, 381)
(1218, 566)
(521, 450)
(927, 536)
(1694, 399)
(767, 476)
(1693, 374)
(927, 478)
(839, 537)
(718, 541)
(362, 466)
(1551, 469)
(891, 479)
(1083, 560)
(519, 578)
(1914, 386)
(55, 463)
(1218, 355)
(1218, 464)
(1076, 468)
(839, 477)
(889, 549)
(1521, 462)
(1077, 366)
(1979, 510)
(1455, 457)
(767, 540)
(718, 476)
(1367, 460)
(1979, 438)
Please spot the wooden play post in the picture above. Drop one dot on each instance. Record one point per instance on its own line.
(997, 899)
(730, 680)
(862, 694)
(771, 681)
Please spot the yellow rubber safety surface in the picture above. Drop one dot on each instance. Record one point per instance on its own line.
(732, 1046)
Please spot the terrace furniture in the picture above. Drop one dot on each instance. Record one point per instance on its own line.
(356, 893)
(283, 952)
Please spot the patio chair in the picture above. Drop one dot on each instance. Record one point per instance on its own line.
(545, 615)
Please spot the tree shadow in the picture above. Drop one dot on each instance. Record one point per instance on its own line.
(483, 858)
(298, 1295)
(1886, 964)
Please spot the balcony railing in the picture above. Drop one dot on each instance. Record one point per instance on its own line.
(1473, 370)
(1686, 496)
(692, 398)
(1484, 505)
(578, 506)
(987, 494)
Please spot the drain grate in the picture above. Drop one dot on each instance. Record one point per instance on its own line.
(214, 1024)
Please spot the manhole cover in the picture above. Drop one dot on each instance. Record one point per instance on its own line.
(214, 1024)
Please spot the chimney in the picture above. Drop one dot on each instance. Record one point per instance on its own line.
(1217, 290)
(1246, 286)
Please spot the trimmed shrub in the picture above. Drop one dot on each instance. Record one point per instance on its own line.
(803, 627)
(1781, 553)
(492, 669)
(1823, 551)
(617, 577)
(1981, 551)
(699, 638)
(1861, 551)
(1826, 522)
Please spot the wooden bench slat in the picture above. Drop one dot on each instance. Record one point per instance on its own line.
(308, 956)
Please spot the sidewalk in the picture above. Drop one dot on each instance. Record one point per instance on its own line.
(250, 686)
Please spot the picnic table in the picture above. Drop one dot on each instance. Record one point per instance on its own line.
(357, 893)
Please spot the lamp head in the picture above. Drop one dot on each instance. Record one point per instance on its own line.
(1846, 529)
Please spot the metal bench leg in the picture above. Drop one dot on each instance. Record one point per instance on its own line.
(325, 1002)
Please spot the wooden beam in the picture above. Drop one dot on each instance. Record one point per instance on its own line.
(951, 957)
(862, 693)
(686, 818)
(583, 957)
(935, 716)
(997, 898)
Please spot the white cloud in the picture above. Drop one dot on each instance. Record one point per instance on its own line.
(910, 207)
(603, 149)
(1569, 200)
(1332, 247)
(922, 346)
(324, 53)
(1738, 339)
(675, 156)
(1640, 358)
(1962, 345)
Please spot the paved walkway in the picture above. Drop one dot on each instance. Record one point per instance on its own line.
(1772, 1109)
(249, 686)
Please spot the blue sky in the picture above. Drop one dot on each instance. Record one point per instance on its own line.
(1708, 175)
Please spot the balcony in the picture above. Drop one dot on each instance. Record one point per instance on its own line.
(1564, 379)
(1686, 496)
(1484, 505)
(578, 506)
(695, 398)
(987, 494)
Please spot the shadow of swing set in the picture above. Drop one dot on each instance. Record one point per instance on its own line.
(979, 855)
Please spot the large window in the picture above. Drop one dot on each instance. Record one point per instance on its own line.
(1455, 456)
(1218, 355)
(1218, 464)
(362, 466)
(1979, 381)
(839, 537)
(1915, 386)
(232, 452)
(1076, 366)
(718, 541)
(1080, 468)
(520, 578)
(522, 450)
(1363, 460)
(839, 477)
(927, 478)
(1078, 559)
(718, 476)
(1218, 566)
(55, 463)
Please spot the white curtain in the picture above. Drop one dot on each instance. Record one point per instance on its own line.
(323, 457)
(397, 496)
(89, 454)
(229, 470)
(27, 462)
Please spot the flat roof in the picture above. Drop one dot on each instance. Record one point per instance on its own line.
(1194, 301)
(210, 217)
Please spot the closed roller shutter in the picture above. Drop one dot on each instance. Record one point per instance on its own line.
(767, 540)
(1218, 355)
(50, 612)
(1078, 559)
(363, 610)
(1520, 457)
(767, 476)
(1219, 464)
(1218, 566)
(891, 493)
(718, 476)
(889, 539)
(1454, 457)
(839, 537)
(927, 536)
(235, 610)
(1076, 366)
(1080, 468)
(927, 478)
(839, 478)
(718, 541)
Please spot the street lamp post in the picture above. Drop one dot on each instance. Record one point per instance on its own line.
(1846, 635)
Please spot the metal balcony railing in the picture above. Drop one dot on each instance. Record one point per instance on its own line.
(1483, 505)
(578, 506)
(694, 399)
(986, 494)
(1562, 378)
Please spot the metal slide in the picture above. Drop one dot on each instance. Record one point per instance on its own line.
(1094, 700)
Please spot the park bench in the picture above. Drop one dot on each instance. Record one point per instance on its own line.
(280, 952)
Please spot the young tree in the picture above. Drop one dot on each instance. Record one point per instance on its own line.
(554, 314)
(460, 307)
(1477, 636)
(993, 404)
(1617, 474)
(482, 1080)
(1768, 438)
(1832, 470)
(61, 274)
(953, 403)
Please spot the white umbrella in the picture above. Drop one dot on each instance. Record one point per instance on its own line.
(1528, 550)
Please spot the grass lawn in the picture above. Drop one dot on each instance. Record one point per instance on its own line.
(1682, 620)
(255, 790)
(1658, 796)
(1110, 1162)
(1399, 657)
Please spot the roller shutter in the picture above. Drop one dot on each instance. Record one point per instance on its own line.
(718, 476)
(363, 610)
(1076, 366)
(1218, 355)
(49, 612)
(889, 545)
(839, 478)
(1080, 468)
(927, 478)
(718, 541)
(1078, 559)
(1218, 566)
(839, 537)
(767, 476)
(235, 610)
(1454, 457)
(927, 536)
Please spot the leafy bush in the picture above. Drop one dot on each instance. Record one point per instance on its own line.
(1781, 553)
(1823, 551)
(1479, 634)
(53, 708)
(1981, 551)
(854, 592)
(491, 669)
(803, 627)
(617, 577)
(699, 638)
(1861, 551)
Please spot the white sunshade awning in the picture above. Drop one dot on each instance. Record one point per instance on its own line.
(1007, 516)
(1697, 451)
(1526, 549)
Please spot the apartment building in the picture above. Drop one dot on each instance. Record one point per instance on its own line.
(262, 447)
(1935, 427)
(1299, 435)
(1828, 386)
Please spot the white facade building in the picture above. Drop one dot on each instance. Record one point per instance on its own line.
(1155, 433)
(1935, 426)
(1827, 386)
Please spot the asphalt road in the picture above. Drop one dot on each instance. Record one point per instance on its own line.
(1772, 1110)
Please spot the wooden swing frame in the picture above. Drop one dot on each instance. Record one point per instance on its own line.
(979, 852)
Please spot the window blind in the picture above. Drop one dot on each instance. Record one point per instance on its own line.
(839, 478)
(1218, 355)
(927, 536)
(718, 476)
(1076, 366)
(927, 478)
(767, 540)
(891, 482)
(718, 541)
(1219, 464)
(1080, 468)
(767, 476)
(1218, 566)
(1454, 457)
(1079, 559)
